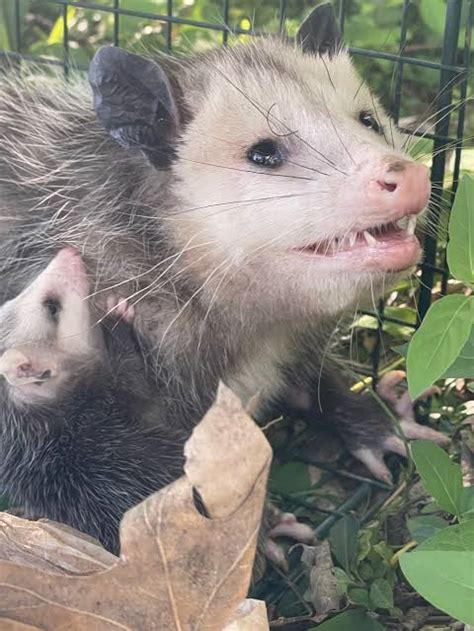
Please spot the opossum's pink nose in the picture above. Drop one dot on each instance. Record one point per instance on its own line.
(400, 187)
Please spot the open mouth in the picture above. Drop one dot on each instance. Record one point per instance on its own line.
(378, 236)
(391, 245)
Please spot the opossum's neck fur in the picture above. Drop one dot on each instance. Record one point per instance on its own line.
(168, 232)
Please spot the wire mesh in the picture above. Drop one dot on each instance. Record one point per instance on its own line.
(453, 70)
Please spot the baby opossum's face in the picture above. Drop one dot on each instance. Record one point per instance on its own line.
(47, 330)
(294, 175)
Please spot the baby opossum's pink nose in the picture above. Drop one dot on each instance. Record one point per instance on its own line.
(401, 187)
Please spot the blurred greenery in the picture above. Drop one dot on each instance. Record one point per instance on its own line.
(369, 24)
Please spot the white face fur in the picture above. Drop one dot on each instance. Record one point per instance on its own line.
(293, 233)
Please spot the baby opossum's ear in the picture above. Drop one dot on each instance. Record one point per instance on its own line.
(133, 100)
(320, 32)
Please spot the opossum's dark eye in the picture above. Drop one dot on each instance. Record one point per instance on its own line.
(369, 120)
(53, 306)
(265, 153)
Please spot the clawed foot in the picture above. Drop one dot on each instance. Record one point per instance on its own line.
(373, 458)
(284, 525)
(119, 308)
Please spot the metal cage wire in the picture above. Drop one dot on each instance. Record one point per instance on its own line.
(453, 69)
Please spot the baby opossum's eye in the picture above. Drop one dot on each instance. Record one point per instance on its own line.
(53, 307)
(265, 153)
(368, 119)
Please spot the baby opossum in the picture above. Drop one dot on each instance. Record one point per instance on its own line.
(78, 441)
(244, 200)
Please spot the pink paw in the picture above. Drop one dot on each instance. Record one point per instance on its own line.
(120, 308)
(285, 525)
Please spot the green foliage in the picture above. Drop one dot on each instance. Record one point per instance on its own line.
(289, 478)
(441, 568)
(367, 578)
(381, 594)
(8, 22)
(439, 341)
(343, 539)
(440, 476)
(355, 619)
(460, 250)
(444, 344)
(422, 527)
(57, 32)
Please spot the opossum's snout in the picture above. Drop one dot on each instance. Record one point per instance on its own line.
(399, 188)
(29, 365)
(379, 220)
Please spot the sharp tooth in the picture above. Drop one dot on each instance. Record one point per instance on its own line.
(411, 225)
(369, 238)
(352, 239)
(402, 223)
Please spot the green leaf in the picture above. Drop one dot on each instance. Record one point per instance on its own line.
(439, 340)
(365, 571)
(401, 349)
(364, 544)
(433, 13)
(289, 478)
(441, 477)
(8, 37)
(442, 570)
(354, 619)
(381, 594)
(343, 540)
(421, 147)
(383, 550)
(342, 580)
(423, 527)
(359, 596)
(460, 250)
(56, 35)
(463, 365)
(467, 499)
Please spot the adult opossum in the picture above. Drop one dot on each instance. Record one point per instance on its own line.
(242, 200)
(78, 439)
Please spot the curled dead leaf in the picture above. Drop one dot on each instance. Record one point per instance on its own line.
(323, 591)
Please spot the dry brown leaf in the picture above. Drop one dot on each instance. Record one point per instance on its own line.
(48, 545)
(323, 591)
(178, 569)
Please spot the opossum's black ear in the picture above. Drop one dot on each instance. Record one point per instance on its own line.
(133, 100)
(320, 32)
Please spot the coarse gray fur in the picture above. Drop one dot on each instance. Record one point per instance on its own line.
(173, 217)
